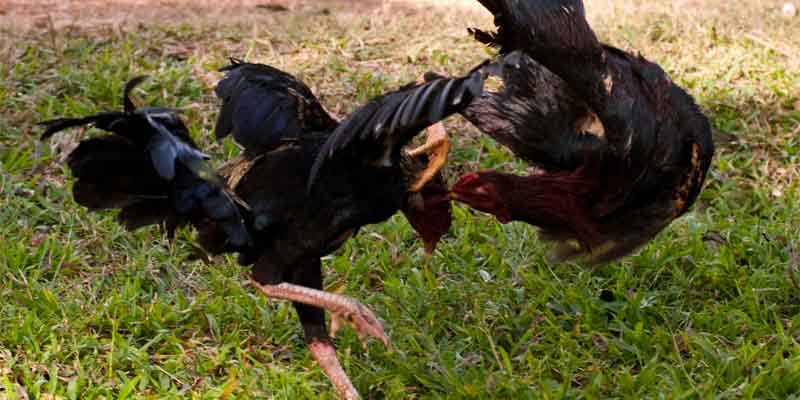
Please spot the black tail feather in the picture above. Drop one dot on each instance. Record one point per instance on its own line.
(59, 124)
(151, 170)
(126, 97)
(112, 174)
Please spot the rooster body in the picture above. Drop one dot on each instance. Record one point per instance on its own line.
(623, 150)
(303, 185)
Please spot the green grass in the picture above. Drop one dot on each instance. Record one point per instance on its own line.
(710, 309)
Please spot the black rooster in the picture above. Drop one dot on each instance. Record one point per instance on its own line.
(262, 204)
(624, 151)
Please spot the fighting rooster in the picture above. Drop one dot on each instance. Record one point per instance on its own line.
(263, 204)
(623, 151)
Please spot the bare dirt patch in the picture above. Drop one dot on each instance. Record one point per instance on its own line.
(52, 14)
(49, 14)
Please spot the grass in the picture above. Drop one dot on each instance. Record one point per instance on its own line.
(710, 309)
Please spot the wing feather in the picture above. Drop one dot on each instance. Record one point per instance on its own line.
(263, 106)
(368, 134)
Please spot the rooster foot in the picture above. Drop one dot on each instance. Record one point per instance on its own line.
(360, 318)
(342, 308)
(436, 147)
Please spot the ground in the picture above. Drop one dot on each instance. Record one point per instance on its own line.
(710, 309)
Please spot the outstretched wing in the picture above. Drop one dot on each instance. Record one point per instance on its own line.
(378, 130)
(538, 117)
(262, 106)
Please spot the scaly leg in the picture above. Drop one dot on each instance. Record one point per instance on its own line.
(437, 147)
(341, 307)
(325, 355)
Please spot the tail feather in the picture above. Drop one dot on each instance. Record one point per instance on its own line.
(57, 125)
(111, 174)
(150, 169)
(104, 120)
(126, 96)
(104, 159)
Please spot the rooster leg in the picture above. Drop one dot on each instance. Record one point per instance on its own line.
(437, 146)
(342, 308)
(309, 304)
(325, 355)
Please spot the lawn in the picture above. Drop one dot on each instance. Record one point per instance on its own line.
(710, 309)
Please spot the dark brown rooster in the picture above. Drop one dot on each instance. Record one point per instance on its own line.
(623, 150)
(263, 204)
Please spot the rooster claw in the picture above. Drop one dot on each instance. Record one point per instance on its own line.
(342, 308)
(361, 319)
(436, 147)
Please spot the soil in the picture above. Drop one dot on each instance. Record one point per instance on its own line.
(82, 14)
